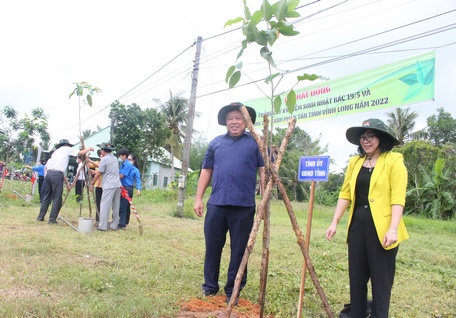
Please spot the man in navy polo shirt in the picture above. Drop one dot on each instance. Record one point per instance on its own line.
(231, 161)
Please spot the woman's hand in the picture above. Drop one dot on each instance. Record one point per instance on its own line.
(390, 238)
(331, 231)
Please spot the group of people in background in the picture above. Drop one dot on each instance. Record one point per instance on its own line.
(107, 180)
(109, 190)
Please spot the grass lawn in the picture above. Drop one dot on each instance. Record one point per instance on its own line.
(54, 271)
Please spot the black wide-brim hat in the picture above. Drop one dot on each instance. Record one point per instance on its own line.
(375, 124)
(106, 146)
(63, 142)
(234, 106)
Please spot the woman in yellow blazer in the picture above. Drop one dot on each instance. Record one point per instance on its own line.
(374, 188)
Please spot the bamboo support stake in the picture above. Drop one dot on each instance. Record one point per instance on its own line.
(304, 265)
(266, 224)
(72, 185)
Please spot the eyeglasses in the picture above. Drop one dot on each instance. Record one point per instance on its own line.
(368, 138)
(129, 159)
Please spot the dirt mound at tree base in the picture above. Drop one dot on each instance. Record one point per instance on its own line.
(215, 307)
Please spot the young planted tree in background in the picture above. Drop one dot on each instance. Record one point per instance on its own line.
(80, 89)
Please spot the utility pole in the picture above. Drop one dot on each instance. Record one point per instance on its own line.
(182, 184)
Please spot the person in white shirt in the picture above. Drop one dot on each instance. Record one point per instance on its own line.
(56, 168)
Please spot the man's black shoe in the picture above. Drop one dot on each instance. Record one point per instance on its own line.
(39, 219)
(207, 293)
(53, 222)
(228, 299)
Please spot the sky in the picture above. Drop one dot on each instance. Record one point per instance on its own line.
(140, 51)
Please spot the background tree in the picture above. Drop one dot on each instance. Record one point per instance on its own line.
(401, 123)
(18, 135)
(86, 133)
(29, 129)
(8, 120)
(418, 155)
(197, 152)
(437, 193)
(176, 113)
(441, 128)
(300, 144)
(327, 192)
(142, 132)
(154, 132)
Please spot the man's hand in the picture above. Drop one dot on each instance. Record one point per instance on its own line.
(198, 208)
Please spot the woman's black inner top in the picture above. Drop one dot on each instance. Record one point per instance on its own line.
(362, 186)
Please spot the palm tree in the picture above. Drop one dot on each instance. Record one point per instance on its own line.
(176, 112)
(401, 123)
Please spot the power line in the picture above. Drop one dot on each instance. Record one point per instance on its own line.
(230, 48)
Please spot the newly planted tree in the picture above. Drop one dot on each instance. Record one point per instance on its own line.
(80, 89)
(275, 19)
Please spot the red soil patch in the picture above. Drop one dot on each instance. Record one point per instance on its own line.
(216, 307)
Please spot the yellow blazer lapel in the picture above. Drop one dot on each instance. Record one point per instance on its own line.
(356, 168)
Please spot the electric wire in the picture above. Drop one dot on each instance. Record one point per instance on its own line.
(231, 47)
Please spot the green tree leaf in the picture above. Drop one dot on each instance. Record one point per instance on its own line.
(277, 104)
(89, 100)
(266, 9)
(271, 77)
(229, 73)
(291, 101)
(234, 79)
(281, 10)
(233, 21)
(308, 77)
(287, 30)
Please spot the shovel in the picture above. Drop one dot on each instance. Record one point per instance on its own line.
(27, 198)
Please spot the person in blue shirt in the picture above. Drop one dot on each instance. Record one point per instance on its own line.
(136, 177)
(126, 178)
(231, 161)
(40, 170)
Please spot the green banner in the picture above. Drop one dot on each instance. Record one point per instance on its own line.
(401, 83)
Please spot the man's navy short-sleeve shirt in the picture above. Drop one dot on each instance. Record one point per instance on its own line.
(235, 162)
